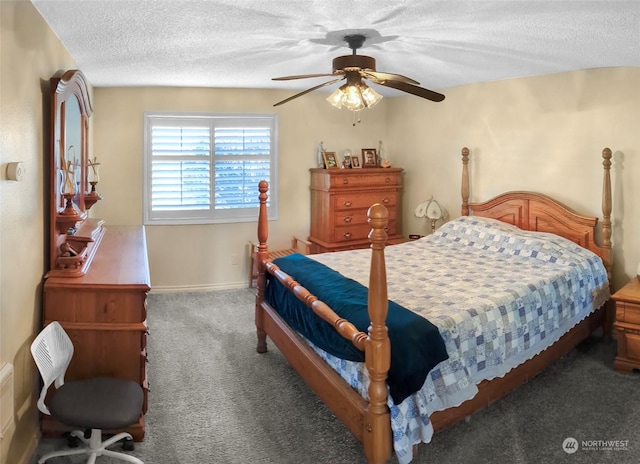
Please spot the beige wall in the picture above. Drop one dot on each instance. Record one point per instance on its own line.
(30, 55)
(200, 257)
(542, 133)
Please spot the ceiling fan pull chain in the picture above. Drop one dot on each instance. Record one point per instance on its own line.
(356, 117)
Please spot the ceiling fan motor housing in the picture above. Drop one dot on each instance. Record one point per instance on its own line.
(355, 62)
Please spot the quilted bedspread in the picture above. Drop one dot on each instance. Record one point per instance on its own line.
(498, 295)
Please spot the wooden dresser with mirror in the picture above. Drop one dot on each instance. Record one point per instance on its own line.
(98, 275)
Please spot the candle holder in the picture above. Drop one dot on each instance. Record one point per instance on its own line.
(93, 176)
(92, 197)
(68, 217)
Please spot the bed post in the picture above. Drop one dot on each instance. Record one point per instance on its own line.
(262, 254)
(606, 212)
(607, 255)
(377, 433)
(465, 181)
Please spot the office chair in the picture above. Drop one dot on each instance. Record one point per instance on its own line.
(97, 404)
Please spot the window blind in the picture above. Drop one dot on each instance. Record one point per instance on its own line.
(207, 169)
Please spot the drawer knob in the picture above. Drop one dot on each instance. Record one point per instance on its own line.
(385, 201)
(347, 235)
(387, 180)
(348, 219)
(345, 181)
(347, 203)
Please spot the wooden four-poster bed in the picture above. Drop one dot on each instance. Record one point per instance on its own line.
(369, 419)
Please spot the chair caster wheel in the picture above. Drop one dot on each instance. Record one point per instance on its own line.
(72, 440)
(128, 444)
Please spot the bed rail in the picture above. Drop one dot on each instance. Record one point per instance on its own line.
(345, 328)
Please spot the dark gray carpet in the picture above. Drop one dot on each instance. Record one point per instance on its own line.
(215, 400)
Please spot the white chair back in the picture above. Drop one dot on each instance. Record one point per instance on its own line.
(52, 351)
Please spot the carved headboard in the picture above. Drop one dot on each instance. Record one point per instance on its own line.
(539, 212)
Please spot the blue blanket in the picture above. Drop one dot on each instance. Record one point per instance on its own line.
(416, 344)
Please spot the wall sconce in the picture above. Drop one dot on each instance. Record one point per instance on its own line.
(431, 210)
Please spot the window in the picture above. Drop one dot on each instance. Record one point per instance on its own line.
(205, 168)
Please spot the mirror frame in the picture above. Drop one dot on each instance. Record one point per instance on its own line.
(67, 215)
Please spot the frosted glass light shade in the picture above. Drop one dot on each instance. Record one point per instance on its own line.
(354, 97)
(371, 97)
(434, 210)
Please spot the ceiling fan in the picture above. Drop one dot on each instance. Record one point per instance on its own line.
(355, 94)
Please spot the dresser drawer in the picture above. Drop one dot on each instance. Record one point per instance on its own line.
(628, 312)
(376, 179)
(95, 306)
(102, 350)
(357, 232)
(357, 216)
(351, 201)
(632, 345)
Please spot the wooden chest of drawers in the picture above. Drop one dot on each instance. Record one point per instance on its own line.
(340, 199)
(627, 325)
(105, 314)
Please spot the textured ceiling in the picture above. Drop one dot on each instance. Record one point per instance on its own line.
(244, 43)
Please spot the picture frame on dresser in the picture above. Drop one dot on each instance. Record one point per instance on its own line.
(369, 158)
(346, 162)
(330, 160)
(355, 162)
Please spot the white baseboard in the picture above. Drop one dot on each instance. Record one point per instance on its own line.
(198, 288)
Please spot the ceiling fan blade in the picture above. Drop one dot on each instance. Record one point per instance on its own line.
(308, 90)
(414, 90)
(377, 76)
(302, 76)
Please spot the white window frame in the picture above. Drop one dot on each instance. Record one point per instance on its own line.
(211, 215)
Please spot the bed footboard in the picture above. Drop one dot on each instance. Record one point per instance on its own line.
(368, 421)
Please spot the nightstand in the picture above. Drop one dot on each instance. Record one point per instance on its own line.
(627, 324)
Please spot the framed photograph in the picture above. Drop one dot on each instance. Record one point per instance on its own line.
(355, 162)
(330, 160)
(346, 162)
(369, 158)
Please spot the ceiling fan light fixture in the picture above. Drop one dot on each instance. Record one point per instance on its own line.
(354, 97)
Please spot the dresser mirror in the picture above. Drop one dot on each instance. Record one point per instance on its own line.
(73, 237)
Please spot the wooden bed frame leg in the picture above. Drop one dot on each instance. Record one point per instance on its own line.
(261, 255)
